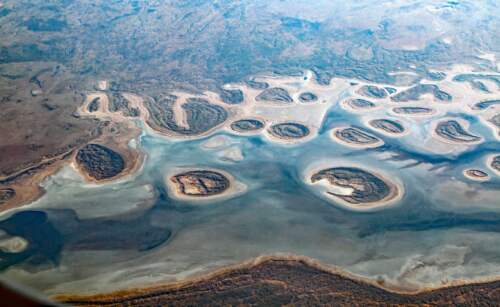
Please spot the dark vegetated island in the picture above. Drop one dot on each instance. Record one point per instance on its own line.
(308, 97)
(452, 130)
(495, 120)
(289, 130)
(356, 136)
(390, 90)
(387, 125)
(6, 194)
(93, 106)
(247, 125)
(476, 173)
(283, 281)
(415, 92)
(231, 96)
(483, 105)
(413, 110)
(359, 103)
(201, 115)
(200, 183)
(367, 187)
(475, 80)
(495, 163)
(275, 94)
(257, 85)
(118, 103)
(100, 162)
(372, 91)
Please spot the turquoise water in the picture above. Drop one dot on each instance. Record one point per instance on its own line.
(93, 238)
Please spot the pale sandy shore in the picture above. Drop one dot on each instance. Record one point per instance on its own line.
(146, 290)
(476, 175)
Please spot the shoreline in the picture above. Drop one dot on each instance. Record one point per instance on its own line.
(397, 190)
(463, 123)
(334, 271)
(235, 188)
(469, 174)
(340, 141)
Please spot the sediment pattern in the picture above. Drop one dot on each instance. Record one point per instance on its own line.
(6, 194)
(475, 80)
(232, 96)
(476, 174)
(257, 85)
(100, 162)
(495, 163)
(483, 105)
(94, 105)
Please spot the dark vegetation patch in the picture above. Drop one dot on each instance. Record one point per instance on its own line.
(367, 188)
(356, 136)
(231, 96)
(100, 162)
(118, 103)
(391, 90)
(387, 125)
(359, 103)
(486, 104)
(247, 125)
(201, 115)
(289, 130)
(275, 94)
(308, 97)
(201, 183)
(476, 173)
(415, 92)
(453, 131)
(372, 91)
(436, 75)
(413, 110)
